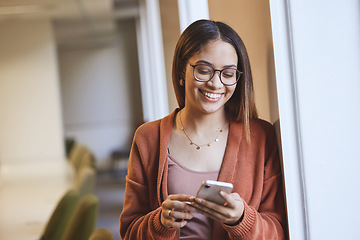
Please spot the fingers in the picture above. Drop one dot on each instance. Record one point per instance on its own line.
(230, 198)
(174, 218)
(208, 208)
(181, 197)
(179, 204)
(176, 210)
(168, 223)
(230, 213)
(179, 201)
(180, 215)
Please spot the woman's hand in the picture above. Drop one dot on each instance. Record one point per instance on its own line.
(230, 214)
(176, 210)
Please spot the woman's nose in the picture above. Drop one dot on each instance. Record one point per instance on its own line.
(215, 82)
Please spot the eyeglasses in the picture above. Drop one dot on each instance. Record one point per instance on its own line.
(204, 73)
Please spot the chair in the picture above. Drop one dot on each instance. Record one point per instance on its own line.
(85, 180)
(80, 156)
(101, 234)
(57, 223)
(77, 153)
(88, 159)
(83, 220)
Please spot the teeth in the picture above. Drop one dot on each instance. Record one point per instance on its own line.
(212, 95)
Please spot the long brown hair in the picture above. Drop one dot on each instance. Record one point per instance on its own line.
(241, 106)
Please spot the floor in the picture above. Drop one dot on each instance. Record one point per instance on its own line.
(110, 188)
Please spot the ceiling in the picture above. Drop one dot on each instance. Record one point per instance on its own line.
(74, 20)
(64, 9)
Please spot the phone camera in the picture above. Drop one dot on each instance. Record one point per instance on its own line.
(207, 186)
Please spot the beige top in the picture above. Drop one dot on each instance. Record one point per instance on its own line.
(182, 180)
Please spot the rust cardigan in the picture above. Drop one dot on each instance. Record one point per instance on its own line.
(254, 170)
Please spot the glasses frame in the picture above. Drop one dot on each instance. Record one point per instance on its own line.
(215, 70)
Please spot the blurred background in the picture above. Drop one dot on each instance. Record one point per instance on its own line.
(70, 69)
(77, 77)
(88, 73)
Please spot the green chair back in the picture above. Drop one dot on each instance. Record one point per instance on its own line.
(58, 220)
(76, 155)
(85, 180)
(83, 220)
(88, 159)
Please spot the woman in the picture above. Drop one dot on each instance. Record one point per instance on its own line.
(214, 135)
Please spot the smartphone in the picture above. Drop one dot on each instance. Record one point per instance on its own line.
(210, 190)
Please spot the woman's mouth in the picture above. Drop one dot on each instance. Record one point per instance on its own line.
(212, 96)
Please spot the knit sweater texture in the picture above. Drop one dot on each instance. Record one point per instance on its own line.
(252, 167)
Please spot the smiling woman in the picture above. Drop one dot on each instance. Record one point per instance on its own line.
(215, 134)
(204, 89)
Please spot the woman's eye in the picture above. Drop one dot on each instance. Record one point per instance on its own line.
(204, 70)
(228, 74)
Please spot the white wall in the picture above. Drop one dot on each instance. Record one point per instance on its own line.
(30, 112)
(101, 92)
(190, 11)
(317, 59)
(151, 61)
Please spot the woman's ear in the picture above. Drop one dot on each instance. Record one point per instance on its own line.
(182, 76)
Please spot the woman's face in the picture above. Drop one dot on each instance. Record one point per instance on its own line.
(211, 96)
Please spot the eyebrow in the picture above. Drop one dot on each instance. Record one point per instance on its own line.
(209, 63)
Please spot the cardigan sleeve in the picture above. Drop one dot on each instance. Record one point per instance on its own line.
(261, 224)
(138, 220)
(268, 221)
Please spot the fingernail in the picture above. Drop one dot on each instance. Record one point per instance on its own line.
(222, 193)
(198, 200)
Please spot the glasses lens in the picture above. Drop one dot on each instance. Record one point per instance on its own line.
(230, 76)
(203, 72)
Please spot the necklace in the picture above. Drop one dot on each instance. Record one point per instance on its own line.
(198, 147)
